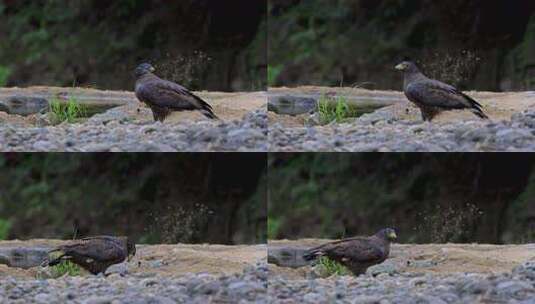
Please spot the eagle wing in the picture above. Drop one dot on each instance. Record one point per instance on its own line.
(361, 251)
(168, 94)
(96, 249)
(357, 249)
(437, 94)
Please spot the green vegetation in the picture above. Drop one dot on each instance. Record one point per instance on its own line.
(272, 228)
(330, 267)
(273, 73)
(4, 75)
(319, 42)
(48, 44)
(5, 225)
(336, 109)
(71, 111)
(65, 268)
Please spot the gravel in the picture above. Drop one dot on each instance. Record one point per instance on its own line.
(515, 287)
(382, 131)
(115, 131)
(247, 287)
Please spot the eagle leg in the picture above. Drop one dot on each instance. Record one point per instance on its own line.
(428, 113)
(159, 113)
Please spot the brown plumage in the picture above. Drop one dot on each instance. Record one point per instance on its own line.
(164, 97)
(357, 253)
(95, 254)
(433, 96)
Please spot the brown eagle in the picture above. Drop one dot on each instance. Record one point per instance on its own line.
(433, 96)
(95, 254)
(164, 97)
(356, 253)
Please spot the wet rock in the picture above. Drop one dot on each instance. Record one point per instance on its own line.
(402, 288)
(291, 105)
(23, 257)
(386, 268)
(514, 290)
(119, 269)
(245, 287)
(287, 256)
(117, 131)
(382, 131)
(24, 105)
(526, 270)
(314, 298)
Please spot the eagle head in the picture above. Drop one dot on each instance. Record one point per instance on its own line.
(407, 66)
(388, 234)
(143, 69)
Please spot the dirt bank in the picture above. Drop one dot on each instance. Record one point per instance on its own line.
(498, 106)
(432, 258)
(228, 106)
(164, 260)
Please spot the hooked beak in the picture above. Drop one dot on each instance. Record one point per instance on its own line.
(392, 235)
(152, 69)
(400, 67)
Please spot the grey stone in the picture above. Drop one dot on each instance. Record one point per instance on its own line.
(314, 298)
(526, 270)
(386, 268)
(24, 105)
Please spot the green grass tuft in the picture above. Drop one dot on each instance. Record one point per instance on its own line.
(65, 267)
(330, 267)
(5, 225)
(272, 73)
(273, 226)
(338, 111)
(4, 75)
(69, 112)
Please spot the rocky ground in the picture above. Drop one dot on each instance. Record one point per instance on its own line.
(448, 273)
(158, 274)
(398, 127)
(130, 127)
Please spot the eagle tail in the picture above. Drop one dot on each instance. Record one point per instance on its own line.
(209, 113)
(205, 108)
(476, 107)
(53, 262)
(479, 113)
(311, 255)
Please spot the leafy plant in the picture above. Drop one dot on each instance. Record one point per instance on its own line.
(66, 267)
(4, 75)
(272, 73)
(5, 225)
(330, 267)
(70, 111)
(273, 227)
(334, 110)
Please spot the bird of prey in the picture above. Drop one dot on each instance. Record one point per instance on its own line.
(164, 97)
(356, 253)
(433, 96)
(95, 254)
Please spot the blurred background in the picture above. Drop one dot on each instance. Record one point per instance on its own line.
(474, 44)
(203, 44)
(428, 197)
(155, 198)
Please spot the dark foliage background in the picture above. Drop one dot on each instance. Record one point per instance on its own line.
(203, 44)
(156, 198)
(433, 197)
(483, 45)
